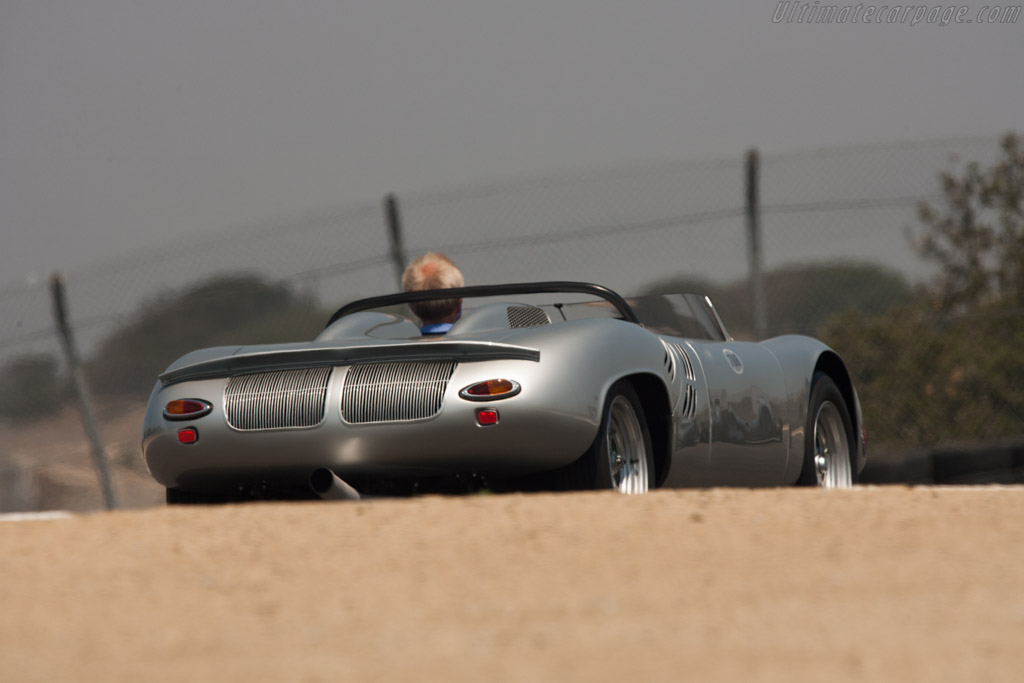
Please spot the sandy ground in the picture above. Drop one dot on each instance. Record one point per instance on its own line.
(872, 584)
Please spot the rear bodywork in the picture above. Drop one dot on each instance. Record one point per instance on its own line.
(371, 399)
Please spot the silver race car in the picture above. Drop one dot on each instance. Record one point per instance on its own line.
(538, 386)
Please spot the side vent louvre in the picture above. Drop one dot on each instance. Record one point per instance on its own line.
(527, 316)
(678, 361)
(688, 409)
(685, 361)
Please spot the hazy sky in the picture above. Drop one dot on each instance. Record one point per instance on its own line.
(128, 123)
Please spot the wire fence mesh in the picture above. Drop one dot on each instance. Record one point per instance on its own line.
(834, 226)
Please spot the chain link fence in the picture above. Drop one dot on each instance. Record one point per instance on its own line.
(834, 229)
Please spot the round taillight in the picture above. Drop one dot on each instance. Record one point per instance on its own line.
(186, 409)
(490, 390)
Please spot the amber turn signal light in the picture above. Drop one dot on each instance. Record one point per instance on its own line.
(490, 390)
(186, 409)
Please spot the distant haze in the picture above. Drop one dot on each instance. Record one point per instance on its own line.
(129, 124)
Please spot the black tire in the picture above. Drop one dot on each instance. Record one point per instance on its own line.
(829, 440)
(622, 455)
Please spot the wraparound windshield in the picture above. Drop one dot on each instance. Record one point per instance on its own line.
(678, 315)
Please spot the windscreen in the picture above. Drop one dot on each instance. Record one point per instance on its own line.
(678, 315)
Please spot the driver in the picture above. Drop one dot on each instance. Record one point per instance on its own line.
(434, 271)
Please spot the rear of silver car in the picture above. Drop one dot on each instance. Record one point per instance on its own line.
(394, 418)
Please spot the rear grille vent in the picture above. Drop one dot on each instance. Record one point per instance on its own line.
(394, 392)
(527, 316)
(286, 399)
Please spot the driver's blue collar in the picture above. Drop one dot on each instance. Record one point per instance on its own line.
(436, 328)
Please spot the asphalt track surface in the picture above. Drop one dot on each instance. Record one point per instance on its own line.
(872, 584)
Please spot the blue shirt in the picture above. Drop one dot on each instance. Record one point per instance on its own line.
(436, 328)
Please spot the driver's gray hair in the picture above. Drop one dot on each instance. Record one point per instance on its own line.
(432, 271)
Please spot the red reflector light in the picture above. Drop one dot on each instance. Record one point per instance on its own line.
(188, 436)
(186, 409)
(490, 390)
(486, 417)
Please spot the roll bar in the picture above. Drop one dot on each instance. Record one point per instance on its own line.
(489, 290)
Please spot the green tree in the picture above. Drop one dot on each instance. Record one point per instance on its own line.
(976, 233)
(925, 379)
(800, 297)
(32, 387)
(231, 309)
(947, 366)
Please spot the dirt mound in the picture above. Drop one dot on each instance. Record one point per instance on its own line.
(47, 464)
(780, 585)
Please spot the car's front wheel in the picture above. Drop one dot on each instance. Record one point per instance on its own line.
(828, 440)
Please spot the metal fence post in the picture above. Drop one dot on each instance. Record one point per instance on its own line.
(756, 279)
(82, 397)
(393, 217)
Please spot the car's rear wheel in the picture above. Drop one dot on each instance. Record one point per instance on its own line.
(828, 440)
(621, 457)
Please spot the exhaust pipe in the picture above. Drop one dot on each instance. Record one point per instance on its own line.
(330, 486)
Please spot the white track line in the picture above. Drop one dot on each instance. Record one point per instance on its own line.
(970, 487)
(35, 516)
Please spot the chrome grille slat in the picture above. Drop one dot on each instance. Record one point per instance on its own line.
(395, 391)
(283, 399)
